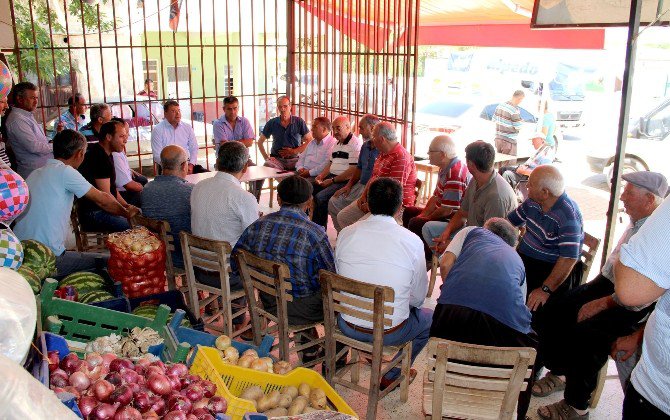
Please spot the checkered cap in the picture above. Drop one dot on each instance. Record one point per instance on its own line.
(11, 250)
(13, 195)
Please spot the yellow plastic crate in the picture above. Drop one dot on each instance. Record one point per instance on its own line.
(232, 380)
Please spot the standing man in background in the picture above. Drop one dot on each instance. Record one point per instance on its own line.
(508, 123)
(290, 137)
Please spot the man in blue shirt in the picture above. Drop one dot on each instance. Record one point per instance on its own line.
(483, 295)
(290, 137)
(73, 117)
(52, 191)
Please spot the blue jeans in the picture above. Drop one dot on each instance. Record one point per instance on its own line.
(101, 221)
(432, 230)
(416, 329)
(321, 197)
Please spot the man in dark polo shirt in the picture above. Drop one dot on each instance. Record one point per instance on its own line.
(98, 169)
(290, 137)
(487, 195)
(100, 114)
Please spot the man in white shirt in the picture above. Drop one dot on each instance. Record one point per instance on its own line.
(317, 154)
(221, 209)
(172, 131)
(25, 136)
(377, 250)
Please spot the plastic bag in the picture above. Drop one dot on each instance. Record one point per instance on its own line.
(18, 315)
(24, 397)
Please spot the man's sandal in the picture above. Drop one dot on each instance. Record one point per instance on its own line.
(547, 385)
(560, 411)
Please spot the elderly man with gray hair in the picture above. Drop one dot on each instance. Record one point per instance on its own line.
(451, 183)
(394, 161)
(168, 196)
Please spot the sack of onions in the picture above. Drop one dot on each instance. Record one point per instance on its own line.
(137, 260)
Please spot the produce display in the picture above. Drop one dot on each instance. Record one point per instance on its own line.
(290, 401)
(84, 282)
(136, 344)
(249, 359)
(39, 257)
(107, 387)
(137, 260)
(149, 311)
(31, 277)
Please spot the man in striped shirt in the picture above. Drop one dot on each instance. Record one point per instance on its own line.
(394, 161)
(507, 117)
(452, 180)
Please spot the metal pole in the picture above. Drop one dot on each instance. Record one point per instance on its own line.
(626, 91)
(290, 59)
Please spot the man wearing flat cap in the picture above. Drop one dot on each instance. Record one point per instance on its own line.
(288, 236)
(582, 328)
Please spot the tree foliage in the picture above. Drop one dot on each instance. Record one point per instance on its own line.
(38, 32)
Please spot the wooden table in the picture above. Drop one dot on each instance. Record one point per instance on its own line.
(428, 171)
(501, 158)
(253, 173)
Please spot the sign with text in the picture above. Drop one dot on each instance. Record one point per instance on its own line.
(594, 13)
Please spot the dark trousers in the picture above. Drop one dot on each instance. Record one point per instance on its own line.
(465, 325)
(301, 311)
(580, 350)
(635, 407)
(211, 278)
(321, 197)
(412, 221)
(135, 197)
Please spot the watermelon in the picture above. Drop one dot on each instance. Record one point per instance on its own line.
(33, 279)
(84, 282)
(149, 311)
(39, 257)
(95, 296)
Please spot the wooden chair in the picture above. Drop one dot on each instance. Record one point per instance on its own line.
(272, 278)
(470, 381)
(588, 254)
(418, 188)
(162, 229)
(211, 255)
(86, 241)
(369, 302)
(434, 270)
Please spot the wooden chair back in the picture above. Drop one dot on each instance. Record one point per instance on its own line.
(162, 229)
(588, 254)
(418, 187)
(473, 381)
(86, 241)
(272, 278)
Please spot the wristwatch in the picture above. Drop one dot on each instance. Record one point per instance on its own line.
(546, 289)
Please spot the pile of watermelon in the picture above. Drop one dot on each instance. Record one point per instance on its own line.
(91, 287)
(39, 262)
(149, 311)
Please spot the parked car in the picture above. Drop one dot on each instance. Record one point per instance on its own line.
(647, 146)
(467, 121)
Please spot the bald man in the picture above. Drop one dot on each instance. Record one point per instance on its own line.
(168, 196)
(342, 165)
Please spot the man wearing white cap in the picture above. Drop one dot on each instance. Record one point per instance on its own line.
(580, 328)
(544, 154)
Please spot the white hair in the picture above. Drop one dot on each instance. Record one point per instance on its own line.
(551, 179)
(385, 129)
(444, 144)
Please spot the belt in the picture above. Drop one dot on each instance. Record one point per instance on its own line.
(369, 331)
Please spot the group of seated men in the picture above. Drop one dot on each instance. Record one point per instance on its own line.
(494, 292)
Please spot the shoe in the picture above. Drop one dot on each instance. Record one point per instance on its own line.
(385, 383)
(310, 357)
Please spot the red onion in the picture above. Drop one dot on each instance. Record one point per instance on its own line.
(143, 401)
(70, 363)
(194, 392)
(180, 403)
(208, 387)
(107, 359)
(102, 389)
(128, 413)
(153, 370)
(141, 369)
(98, 372)
(175, 382)
(158, 406)
(72, 390)
(175, 415)
(94, 359)
(54, 360)
(104, 411)
(122, 395)
(80, 381)
(150, 415)
(178, 369)
(190, 416)
(202, 414)
(117, 364)
(143, 361)
(134, 387)
(159, 364)
(128, 376)
(58, 378)
(159, 384)
(57, 390)
(114, 378)
(217, 404)
(87, 404)
(201, 403)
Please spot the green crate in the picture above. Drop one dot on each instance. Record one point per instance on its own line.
(83, 323)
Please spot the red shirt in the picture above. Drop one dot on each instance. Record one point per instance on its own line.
(451, 184)
(398, 164)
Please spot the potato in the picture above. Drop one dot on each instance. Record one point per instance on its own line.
(245, 361)
(251, 352)
(252, 393)
(304, 389)
(290, 390)
(285, 400)
(276, 412)
(282, 367)
(317, 398)
(297, 406)
(268, 402)
(259, 364)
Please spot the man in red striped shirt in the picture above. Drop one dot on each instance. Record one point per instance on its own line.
(451, 183)
(393, 162)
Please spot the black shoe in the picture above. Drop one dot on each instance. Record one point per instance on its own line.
(310, 357)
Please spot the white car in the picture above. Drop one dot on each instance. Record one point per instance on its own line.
(466, 122)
